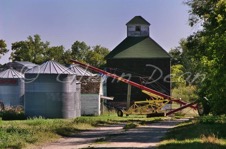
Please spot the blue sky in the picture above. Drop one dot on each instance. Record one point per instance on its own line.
(96, 22)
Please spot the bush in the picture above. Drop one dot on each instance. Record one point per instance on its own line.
(13, 113)
(186, 93)
(212, 119)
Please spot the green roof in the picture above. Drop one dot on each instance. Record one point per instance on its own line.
(138, 47)
(138, 20)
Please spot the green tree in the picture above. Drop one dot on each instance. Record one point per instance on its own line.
(32, 50)
(67, 56)
(208, 48)
(82, 52)
(96, 56)
(181, 88)
(79, 51)
(3, 49)
(177, 75)
(55, 53)
(176, 55)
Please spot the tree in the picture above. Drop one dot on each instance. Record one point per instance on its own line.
(67, 56)
(177, 76)
(3, 49)
(32, 50)
(94, 56)
(176, 55)
(79, 51)
(55, 53)
(208, 48)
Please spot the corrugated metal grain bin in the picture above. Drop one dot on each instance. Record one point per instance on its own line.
(52, 91)
(11, 87)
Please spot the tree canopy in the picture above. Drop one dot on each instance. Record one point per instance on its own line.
(94, 56)
(205, 50)
(37, 51)
(3, 49)
(32, 50)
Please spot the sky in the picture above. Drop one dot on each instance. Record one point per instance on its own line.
(96, 22)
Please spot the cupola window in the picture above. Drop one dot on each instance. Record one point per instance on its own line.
(138, 28)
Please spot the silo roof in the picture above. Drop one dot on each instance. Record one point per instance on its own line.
(27, 64)
(50, 67)
(10, 73)
(80, 71)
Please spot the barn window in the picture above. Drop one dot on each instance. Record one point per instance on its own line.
(138, 28)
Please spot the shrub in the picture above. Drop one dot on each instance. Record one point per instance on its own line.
(13, 113)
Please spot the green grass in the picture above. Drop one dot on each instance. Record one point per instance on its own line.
(204, 132)
(113, 118)
(21, 134)
(17, 134)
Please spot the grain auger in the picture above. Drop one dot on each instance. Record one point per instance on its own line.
(157, 100)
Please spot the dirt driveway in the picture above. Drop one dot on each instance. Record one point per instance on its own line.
(114, 137)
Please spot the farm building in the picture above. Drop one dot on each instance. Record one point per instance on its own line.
(91, 90)
(138, 58)
(52, 91)
(11, 87)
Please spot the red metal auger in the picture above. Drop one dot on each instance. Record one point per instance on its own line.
(114, 76)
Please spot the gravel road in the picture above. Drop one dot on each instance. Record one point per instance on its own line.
(114, 137)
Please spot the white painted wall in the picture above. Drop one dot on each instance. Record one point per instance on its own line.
(131, 30)
(90, 104)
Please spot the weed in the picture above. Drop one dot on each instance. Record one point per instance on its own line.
(212, 138)
(130, 126)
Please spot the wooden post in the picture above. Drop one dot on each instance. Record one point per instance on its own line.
(128, 96)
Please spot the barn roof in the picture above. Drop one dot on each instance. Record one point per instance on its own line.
(138, 47)
(11, 73)
(138, 20)
(79, 71)
(50, 67)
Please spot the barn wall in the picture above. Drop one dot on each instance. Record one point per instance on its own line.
(140, 68)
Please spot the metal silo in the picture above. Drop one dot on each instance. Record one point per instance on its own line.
(50, 92)
(11, 87)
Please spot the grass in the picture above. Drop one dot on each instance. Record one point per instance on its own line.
(130, 126)
(17, 134)
(204, 132)
(21, 134)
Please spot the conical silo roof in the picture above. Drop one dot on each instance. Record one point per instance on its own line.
(11, 73)
(79, 71)
(50, 67)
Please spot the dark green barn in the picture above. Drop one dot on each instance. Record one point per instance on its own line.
(140, 57)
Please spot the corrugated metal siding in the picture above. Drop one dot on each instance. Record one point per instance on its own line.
(12, 91)
(47, 97)
(12, 87)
